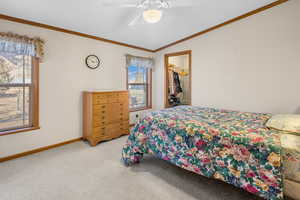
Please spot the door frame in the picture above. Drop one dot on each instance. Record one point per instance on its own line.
(180, 53)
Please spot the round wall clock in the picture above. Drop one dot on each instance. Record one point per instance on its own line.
(92, 61)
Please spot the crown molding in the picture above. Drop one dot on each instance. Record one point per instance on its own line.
(271, 5)
(54, 28)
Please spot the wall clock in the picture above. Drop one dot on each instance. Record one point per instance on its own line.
(92, 62)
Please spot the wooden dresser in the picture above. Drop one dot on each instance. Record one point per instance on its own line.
(105, 115)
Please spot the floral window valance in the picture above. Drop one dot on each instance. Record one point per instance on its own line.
(21, 45)
(139, 61)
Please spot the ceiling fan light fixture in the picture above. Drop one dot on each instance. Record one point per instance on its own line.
(152, 15)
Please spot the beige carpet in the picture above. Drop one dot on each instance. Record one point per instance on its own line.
(80, 172)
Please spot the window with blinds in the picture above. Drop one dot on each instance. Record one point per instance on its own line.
(18, 92)
(139, 86)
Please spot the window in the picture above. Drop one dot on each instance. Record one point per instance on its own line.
(139, 80)
(18, 92)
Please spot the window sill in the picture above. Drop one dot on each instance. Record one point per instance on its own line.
(18, 130)
(140, 109)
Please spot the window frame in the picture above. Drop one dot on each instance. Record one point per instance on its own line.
(149, 91)
(34, 111)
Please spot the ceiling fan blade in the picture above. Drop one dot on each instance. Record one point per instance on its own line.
(135, 19)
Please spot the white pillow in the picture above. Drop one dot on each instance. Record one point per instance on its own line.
(290, 123)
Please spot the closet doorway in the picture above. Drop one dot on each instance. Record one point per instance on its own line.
(178, 78)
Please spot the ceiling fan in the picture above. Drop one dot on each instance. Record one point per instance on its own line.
(152, 10)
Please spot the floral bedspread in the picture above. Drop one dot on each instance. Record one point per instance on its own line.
(231, 146)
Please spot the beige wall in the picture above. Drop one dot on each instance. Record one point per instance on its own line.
(250, 65)
(63, 76)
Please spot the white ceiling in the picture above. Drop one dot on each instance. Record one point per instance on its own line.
(91, 17)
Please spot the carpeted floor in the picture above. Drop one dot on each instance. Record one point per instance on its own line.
(80, 172)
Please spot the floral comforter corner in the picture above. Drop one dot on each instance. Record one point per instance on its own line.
(231, 146)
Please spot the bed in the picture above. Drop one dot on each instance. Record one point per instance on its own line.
(231, 146)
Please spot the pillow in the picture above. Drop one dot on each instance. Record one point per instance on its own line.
(290, 123)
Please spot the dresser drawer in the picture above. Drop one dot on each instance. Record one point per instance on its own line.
(108, 132)
(100, 99)
(100, 96)
(123, 99)
(115, 130)
(115, 119)
(100, 112)
(125, 111)
(120, 117)
(119, 110)
(114, 116)
(114, 100)
(100, 118)
(122, 105)
(121, 125)
(99, 123)
(123, 94)
(124, 125)
(99, 138)
(118, 106)
(112, 95)
(124, 116)
(100, 131)
(125, 131)
(100, 107)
